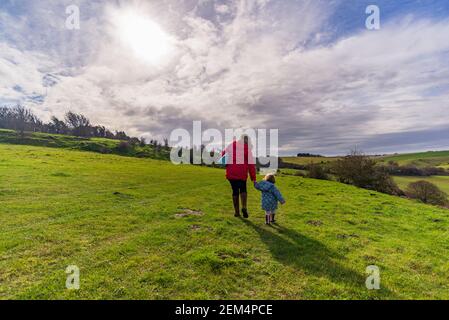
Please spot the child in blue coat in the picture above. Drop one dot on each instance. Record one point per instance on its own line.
(270, 197)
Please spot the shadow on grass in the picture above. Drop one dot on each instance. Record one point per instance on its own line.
(294, 249)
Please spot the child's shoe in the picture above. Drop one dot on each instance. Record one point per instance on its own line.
(245, 213)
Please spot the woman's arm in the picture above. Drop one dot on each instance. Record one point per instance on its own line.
(251, 166)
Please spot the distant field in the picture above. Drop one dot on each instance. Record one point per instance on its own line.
(424, 159)
(308, 160)
(441, 181)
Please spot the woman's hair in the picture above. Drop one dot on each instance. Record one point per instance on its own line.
(270, 178)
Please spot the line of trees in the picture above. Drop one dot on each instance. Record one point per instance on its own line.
(24, 120)
(308, 155)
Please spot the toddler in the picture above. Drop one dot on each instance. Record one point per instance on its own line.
(270, 197)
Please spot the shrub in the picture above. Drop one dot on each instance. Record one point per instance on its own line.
(124, 147)
(410, 170)
(299, 174)
(316, 171)
(426, 192)
(361, 171)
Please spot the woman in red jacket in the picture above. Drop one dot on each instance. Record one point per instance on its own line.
(239, 162)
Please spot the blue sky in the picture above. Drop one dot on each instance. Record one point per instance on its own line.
(308, 67)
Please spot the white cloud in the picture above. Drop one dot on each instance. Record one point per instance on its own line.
(261, 64)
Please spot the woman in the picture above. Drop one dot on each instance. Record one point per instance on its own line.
(239, 162)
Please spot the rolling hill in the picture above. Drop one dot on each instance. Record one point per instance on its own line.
(308, 160)
(422, 159)
(146, 229)
(100, 145)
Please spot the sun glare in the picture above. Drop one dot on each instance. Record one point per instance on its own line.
(144, 37)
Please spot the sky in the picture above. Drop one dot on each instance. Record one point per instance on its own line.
(309, 68)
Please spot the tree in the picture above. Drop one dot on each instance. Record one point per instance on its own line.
(316, 171)
(79, 124)
(166, 144)
(124, 147)
(99, 131)
(22, 119)
(121, 135)
(426, 192)
(362, 171)
(57, 126)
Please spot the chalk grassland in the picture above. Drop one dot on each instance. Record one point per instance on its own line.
(441, 181)
(146, 229)
(423, 159)
(420, 160)
(100, 145)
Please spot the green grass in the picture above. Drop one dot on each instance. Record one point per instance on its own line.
(423, 159)
(100, 145)
(441, 181)
(116, 219)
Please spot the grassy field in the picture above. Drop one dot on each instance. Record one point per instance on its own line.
(309, 160)
(441, 181)
(100, 145)
(146, 229)
(423, 159)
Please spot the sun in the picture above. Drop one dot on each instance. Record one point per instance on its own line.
(147, 40)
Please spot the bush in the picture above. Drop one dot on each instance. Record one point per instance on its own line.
(315, 171)
(394, 168)
(361, 171)
(299, 174)
(426, 192)
(124, 147)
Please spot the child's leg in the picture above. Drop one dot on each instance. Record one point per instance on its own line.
(267, 217)
(272, 216)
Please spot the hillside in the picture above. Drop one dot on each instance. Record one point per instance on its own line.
(441, 181)
(422, 159)
(146, 229)
(100, 145)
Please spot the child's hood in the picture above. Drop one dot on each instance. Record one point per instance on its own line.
(265, 186)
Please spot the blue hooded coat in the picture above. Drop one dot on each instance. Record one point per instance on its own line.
(270, 195)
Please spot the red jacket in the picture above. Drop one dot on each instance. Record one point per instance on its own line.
(242, 162)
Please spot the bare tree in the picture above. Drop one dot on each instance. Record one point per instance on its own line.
(362, 171)
(426, 192)
(79, 124)
(57, 126)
